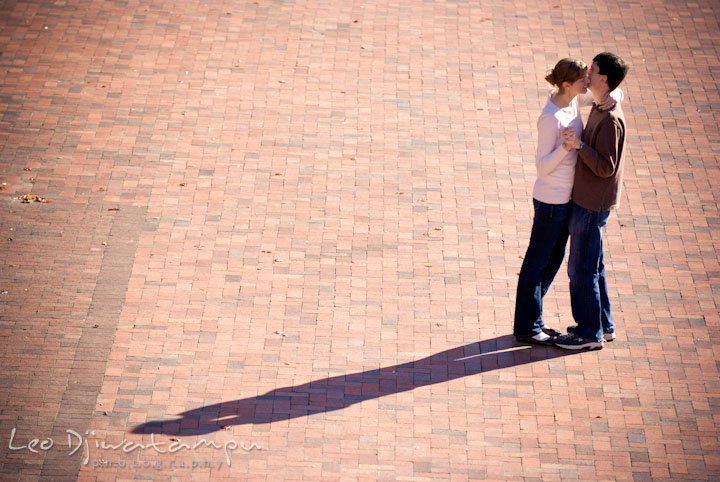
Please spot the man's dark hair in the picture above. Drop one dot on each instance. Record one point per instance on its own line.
(613, 67)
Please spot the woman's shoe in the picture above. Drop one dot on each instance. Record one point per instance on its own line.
(539, 339)
(551, 331)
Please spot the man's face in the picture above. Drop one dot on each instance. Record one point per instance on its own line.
(595, 80)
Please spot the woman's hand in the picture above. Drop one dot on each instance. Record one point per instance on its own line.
(611, 99)
(608, 102)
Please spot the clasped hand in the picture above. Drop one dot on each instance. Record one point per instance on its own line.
(570, 139)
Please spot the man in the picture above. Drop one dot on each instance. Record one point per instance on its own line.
(596, 190)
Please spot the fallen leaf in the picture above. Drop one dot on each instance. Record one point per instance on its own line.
(114, 209)
(282, 81)
(278, 173)
(174, 439)
(27, 169)
(182, 183)
(437, 229)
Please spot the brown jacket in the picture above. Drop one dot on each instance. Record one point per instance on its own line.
(599, 169)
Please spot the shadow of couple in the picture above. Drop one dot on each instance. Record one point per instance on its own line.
(338, 392)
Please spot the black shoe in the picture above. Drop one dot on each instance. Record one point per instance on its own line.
(529, 339)
(572, 342)
(608, 335)
(551, 331)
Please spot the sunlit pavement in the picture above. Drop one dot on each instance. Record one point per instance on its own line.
(280, 241)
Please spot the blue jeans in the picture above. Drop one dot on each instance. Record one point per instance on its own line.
(586, 270)
(543, 258)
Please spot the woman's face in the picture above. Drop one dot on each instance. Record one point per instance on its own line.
(579, 86)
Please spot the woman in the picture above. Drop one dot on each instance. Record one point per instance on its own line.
(555, 163)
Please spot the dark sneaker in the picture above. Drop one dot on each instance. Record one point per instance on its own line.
(608, 335)
(572, 342)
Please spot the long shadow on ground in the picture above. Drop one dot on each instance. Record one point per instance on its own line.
(339, 392)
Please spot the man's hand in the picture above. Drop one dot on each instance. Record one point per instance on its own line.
(570, 138)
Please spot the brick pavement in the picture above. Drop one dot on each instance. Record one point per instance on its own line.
(290, 223)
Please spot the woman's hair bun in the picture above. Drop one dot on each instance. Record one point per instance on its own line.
(550, 78)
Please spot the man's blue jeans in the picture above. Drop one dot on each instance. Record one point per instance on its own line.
(542, 261)
(586, 270)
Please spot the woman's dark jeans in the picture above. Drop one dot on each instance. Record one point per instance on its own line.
(543, 258)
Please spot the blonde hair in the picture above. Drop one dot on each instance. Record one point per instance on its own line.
(566, 70)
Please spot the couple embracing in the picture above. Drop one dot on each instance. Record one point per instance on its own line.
(579, 178)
